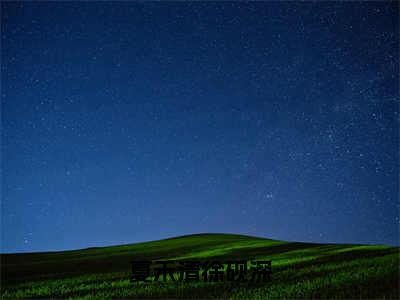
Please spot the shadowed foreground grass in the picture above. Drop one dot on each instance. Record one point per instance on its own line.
(299, 270)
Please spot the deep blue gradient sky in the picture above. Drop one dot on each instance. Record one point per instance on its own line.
(125, 122)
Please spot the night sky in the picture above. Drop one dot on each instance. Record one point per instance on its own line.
(125, 122)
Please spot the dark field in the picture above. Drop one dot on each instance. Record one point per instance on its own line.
(299, 270)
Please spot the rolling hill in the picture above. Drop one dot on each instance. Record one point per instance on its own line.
(299, 270)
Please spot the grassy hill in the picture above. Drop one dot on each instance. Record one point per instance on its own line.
(299, 270)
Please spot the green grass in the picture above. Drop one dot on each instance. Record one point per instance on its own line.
(299, 270)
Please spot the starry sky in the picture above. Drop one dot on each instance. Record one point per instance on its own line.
(129, 121)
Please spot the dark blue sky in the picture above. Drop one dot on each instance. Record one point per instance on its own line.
(125, 122)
